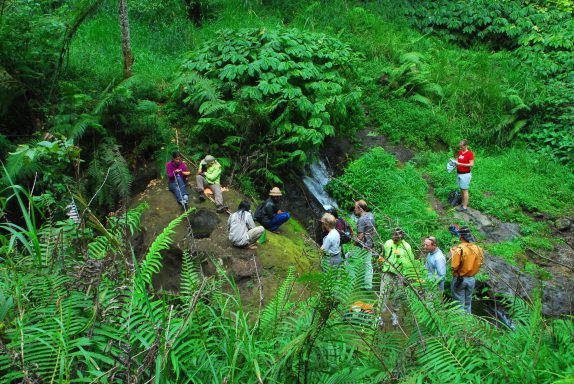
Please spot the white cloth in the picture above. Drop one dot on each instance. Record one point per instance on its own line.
(332, 243)
(239, 225)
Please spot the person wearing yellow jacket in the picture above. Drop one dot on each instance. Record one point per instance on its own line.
(397, 259)
(208, 175)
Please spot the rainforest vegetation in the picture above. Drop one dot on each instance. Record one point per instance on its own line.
(95, 95)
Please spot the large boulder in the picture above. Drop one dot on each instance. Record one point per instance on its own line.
(204, 235)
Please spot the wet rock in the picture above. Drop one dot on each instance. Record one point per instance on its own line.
(563, 224)
(492, 228)
(504, 278)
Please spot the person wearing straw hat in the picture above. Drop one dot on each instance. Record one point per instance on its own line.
(269, 215)
(208, 175)
(332, 242)
(466, 261)
(177, 174)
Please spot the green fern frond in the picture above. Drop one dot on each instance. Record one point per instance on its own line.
(152, 261)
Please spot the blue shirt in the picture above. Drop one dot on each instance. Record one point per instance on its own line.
(436, 267)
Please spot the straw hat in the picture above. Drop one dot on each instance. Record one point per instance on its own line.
(208, 159)
(275, 192)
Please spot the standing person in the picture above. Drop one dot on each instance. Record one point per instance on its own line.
(269, 215)
(208, 175)
(398, 259)
(365, 234)
(332, 242)
(344, 229)
(435, 263)
(177, 174)
(464, 163)
(466, 261)
(242, 230)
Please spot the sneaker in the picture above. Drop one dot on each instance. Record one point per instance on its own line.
(201, 197)
(221, 209)
(462, 209)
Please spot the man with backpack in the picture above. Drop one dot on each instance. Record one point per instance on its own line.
(269, 215)
(466, 261)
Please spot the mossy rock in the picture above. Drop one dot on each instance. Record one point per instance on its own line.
(268, 263)
(289, 248)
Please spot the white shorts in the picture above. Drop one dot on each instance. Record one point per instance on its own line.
(463, 180)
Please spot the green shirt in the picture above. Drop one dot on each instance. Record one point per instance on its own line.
(398, 258)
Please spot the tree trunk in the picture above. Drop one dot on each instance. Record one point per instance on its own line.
(126, 40)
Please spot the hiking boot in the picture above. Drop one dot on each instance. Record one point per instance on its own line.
(201, 197)
(462, 209)
(221, 209)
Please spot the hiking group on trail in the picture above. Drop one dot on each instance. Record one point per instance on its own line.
(396, 261)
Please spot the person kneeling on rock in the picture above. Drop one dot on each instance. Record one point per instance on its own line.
(242, 230)
(269, 215)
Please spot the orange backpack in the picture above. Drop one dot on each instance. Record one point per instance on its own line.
(466, 260)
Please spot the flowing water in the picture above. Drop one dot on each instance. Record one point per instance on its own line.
(315, 180)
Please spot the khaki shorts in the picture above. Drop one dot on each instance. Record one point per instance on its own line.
(463, 180)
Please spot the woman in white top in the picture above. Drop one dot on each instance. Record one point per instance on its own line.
(242, 230)
(332, 242)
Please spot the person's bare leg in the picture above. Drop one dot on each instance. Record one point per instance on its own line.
(464, 198)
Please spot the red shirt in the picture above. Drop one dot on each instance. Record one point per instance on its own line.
(465, 158)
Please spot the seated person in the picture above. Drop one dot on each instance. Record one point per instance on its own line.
(269, 215)
(177, 174)
(208, 175)
(242, 229)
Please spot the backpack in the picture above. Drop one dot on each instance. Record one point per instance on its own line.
(259, 212)
(455, 197)
(345, 231)
(469, 261)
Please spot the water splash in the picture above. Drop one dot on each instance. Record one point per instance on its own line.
(316, 179)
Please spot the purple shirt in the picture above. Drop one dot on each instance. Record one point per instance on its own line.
(171, 166)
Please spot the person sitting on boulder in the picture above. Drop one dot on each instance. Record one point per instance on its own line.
(177, 175)
(208, 175)
(242, 230)
(269, 215)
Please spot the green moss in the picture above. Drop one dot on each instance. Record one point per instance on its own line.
(288, 248)
(510, 251)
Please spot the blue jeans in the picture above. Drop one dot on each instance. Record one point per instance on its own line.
(178, 188)
(463, 292)
(277, 221)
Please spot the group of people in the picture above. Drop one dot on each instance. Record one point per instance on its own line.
(241, 227)
(398, 260)
(208, 176)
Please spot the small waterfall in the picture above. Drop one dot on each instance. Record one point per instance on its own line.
(316, 180)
